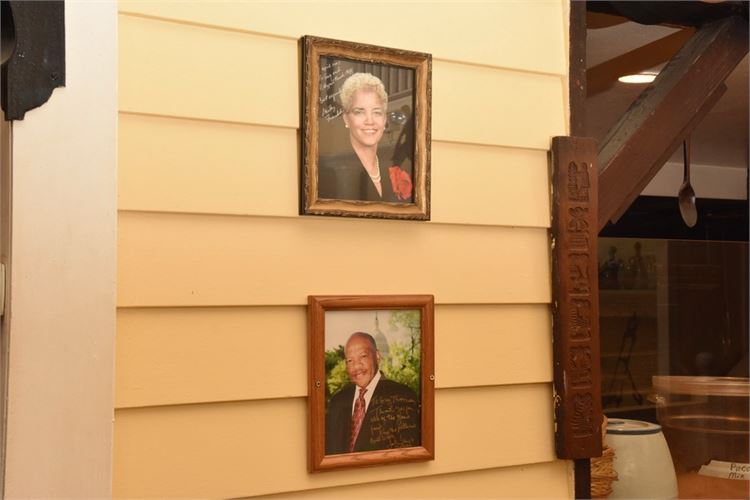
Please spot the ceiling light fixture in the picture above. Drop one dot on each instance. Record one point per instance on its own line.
(638, 78)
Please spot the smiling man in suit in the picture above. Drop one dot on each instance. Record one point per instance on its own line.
(371, 412)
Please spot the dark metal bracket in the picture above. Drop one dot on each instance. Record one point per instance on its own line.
(33, 40)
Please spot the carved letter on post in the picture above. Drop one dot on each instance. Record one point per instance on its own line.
(578, 408)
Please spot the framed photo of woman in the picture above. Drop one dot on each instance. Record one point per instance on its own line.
(365, 130)
(371, 388)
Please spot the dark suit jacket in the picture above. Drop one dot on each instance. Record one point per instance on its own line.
(392, 419)
(344, 178)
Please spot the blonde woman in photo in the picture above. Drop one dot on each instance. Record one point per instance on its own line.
(360, 174)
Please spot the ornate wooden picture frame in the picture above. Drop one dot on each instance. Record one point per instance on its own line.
(365, 137)
(371, 392)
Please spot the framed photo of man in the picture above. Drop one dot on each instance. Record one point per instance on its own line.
(372, 384)
(365, 130)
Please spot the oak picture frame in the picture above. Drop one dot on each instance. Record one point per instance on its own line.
(334, 178)
(336, 316)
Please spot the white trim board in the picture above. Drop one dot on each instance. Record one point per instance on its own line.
(63, 273)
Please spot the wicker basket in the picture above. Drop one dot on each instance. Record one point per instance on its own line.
(603, 469)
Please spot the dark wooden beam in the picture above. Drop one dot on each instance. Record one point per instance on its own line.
(644, 138)
(602, 76)
(563, 335)
(577, 72)
(673, 144)
(36, 63)
(669, 12)
(596, 20)
(582, 478)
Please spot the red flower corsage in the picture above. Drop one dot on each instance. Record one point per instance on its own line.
(401, 182)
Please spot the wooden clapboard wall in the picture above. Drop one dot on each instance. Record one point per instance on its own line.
(215, 264)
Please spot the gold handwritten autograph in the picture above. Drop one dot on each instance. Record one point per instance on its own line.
(394, 423)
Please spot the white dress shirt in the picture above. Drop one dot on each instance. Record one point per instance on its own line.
(368, 395)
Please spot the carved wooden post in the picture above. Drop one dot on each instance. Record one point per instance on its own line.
(577, 376)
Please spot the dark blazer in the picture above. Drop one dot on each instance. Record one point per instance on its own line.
(392, 419)
(344, 178)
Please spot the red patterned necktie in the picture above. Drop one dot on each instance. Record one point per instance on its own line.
(357, 417)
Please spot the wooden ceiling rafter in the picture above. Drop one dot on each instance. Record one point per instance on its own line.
(666, 112)
(598, 20)
(602, 76)
(670, 13)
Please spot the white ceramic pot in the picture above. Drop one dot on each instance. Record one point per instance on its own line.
(642, 460)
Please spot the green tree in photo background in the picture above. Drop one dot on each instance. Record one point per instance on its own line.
(401, 363)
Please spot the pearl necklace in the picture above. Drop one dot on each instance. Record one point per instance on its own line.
(375, 178)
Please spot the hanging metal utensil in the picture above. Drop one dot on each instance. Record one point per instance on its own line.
(686, 195)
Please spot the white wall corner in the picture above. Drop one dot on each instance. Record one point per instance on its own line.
(63, 273)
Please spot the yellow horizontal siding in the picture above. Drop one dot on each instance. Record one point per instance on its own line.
(523, 35)
(208, 125)
(545, 480)
(174, 451)
(483, 105)
(487, 345)
(198, 355)
(192, 260)
(489, 185)
(190, 71)
(179, 70)
(177, 165)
